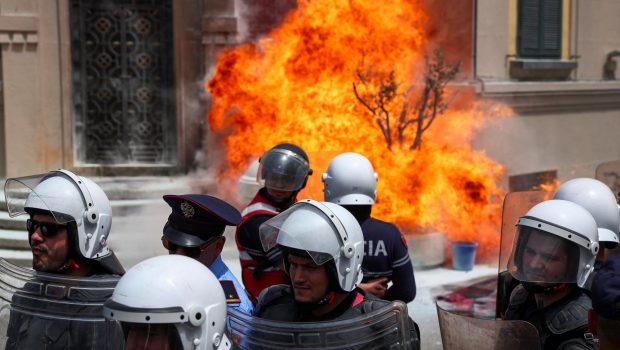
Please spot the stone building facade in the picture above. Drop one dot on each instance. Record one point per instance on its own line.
(115, 87)
(107, 87)
(567, 104)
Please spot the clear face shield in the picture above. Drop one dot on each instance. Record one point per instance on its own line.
(169, 328)
(550, 257)
(151, 336)
(282, 170)
(41, 192)
(297, 228)
(516, 205)
(162, 336)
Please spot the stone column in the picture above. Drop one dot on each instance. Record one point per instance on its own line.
(32, 120)
(219, 28)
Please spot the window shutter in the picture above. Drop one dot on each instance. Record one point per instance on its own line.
(551, 28)
(540, 28)
(528, 27)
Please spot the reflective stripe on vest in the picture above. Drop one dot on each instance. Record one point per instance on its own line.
(259, 206)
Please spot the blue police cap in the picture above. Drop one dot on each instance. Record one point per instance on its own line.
(606, 289)
(196, 218)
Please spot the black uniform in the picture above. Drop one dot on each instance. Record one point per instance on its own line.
(561, 325)
(40, 320)
(278, 303)
(385, 254)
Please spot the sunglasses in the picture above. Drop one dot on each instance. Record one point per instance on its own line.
(192, 252)
(47, 229)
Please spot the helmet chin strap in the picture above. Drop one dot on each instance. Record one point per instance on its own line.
(326, 299)
(71, 263)
(332, 286)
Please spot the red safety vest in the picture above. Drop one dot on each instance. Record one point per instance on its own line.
(269, 275)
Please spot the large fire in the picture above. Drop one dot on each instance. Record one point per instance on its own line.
(295, 85)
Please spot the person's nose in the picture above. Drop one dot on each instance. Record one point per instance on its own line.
(536, 262)
(297, 275)
(37, 236)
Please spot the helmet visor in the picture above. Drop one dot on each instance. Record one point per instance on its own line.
(543, 257)
(282, 170)
(23, 196)
(299, 233)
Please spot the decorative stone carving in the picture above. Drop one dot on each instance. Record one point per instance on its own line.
(18, 30)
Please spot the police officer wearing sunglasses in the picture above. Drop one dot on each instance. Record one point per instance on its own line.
(195, 229)
(69, 222)
(58, 305)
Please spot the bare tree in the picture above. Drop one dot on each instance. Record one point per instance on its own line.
(379, 94)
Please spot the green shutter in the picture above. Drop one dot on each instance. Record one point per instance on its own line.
(540, 28)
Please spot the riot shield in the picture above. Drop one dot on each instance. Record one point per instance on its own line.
(516, 204)
(386, 328)
(49, 311)
(465, 333)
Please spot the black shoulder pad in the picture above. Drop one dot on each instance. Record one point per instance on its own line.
(372, 303)
(273, 293)
(571, 316)
(574, 344)
(518, 296)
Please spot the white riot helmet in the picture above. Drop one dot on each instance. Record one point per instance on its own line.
(350, 180)
(556, 242)
(326, 232)
(173, 290)
(599, 200)
(69, 198)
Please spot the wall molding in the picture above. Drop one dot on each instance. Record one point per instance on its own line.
(553, 97)
(19, 30)
(219, 30)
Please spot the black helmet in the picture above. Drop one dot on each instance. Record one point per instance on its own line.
(284, 167)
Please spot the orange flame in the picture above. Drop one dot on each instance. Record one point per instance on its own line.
(296, 86)
(549, 188)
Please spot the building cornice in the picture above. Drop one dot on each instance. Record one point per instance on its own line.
(553, 97)
(18, 29)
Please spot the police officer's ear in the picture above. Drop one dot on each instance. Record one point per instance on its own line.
(219, 244)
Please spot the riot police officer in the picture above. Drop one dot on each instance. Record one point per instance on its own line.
(169, 302)
(283, 171)
(552, 257)
(195, 229)
(323, 247)
(604, 317)
(351, 182)
(69, 223)
(599, 200)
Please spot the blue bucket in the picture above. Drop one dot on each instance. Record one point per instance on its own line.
(463, 255)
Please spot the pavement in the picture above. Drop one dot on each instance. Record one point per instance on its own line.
(136, 236)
